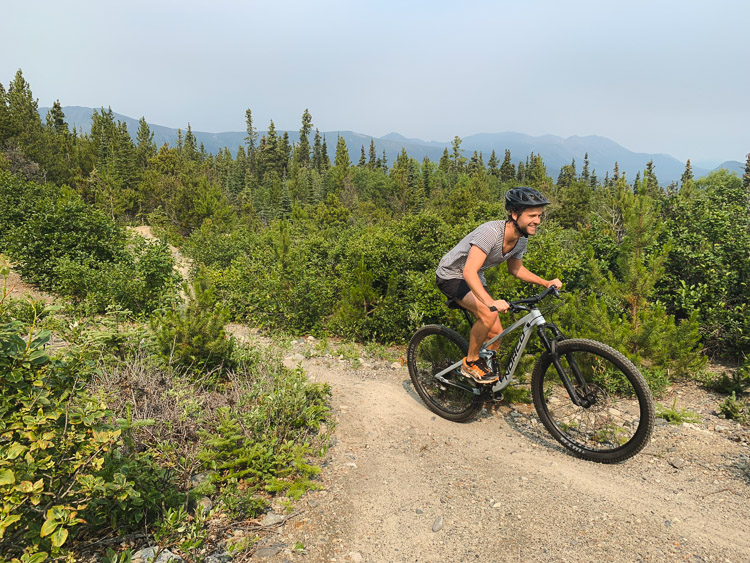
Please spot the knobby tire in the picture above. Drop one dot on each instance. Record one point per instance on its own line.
(619, 419)
(432, 349)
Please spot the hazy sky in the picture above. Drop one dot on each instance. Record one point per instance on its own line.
(655, 76)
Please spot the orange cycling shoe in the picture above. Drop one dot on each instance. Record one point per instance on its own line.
(477, 370)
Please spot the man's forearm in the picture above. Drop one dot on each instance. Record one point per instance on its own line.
(525, 275)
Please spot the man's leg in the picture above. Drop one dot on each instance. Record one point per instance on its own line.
(487, 325)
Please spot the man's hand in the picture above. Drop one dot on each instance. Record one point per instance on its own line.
(557, 283)
(501, 305)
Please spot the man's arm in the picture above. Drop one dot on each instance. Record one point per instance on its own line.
(474, 261)
(516, 268)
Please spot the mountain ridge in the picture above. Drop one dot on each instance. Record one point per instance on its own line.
(556, 151)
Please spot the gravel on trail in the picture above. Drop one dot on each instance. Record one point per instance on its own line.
(402, 484)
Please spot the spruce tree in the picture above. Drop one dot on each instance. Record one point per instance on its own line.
(458, 161)
(427, 177)
(269, 153)
(507, 169)
(341, 159)
(585, 174)
(492, 165)
(445, 162)
(372, 162)
(303, 149)
(190, 148)
(325, 161)
(687, 175)
(146, 148)
(25, 125)
(4, 115)
(746, 175)
(362, 160)
(475, 163)
(650, 183)
(284, 150)
(252, 136)
(59, 146)
(56, 119)
(317, 156)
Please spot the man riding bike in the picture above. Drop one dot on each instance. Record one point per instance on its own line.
(460, 274)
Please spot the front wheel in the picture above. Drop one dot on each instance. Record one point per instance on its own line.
(616, 416)
(432, 349)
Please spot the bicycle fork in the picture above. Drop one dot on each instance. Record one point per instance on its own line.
(550, 344)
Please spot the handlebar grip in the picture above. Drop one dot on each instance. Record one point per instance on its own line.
(493, 309)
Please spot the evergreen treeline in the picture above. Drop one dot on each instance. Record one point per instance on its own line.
(296, 240)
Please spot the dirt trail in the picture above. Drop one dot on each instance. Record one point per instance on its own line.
(182, 264)
(401, 484)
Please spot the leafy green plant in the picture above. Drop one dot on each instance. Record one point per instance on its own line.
(263, 443)
(675, 415)
(182, 530)
(62, 469)
(54, 442)
(517, 394)
(111, 556)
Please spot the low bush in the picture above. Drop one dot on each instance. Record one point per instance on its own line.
(64, 245)
(61, 470)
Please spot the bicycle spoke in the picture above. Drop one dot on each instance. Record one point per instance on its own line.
(432, 350)
(616, 417)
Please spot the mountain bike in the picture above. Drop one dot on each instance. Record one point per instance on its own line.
(589, 396)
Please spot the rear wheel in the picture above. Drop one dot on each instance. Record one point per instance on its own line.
(616, 418)
(432, 349)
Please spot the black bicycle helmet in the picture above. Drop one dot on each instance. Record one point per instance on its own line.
(520, 198)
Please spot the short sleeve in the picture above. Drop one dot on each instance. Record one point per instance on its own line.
(485, 239)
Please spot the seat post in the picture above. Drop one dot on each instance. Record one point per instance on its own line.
(451, 303)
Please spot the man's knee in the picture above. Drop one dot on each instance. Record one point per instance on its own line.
(487, 317)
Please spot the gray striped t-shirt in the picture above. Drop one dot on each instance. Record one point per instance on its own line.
(489, 238)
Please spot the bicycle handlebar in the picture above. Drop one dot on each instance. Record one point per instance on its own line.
(528, 303)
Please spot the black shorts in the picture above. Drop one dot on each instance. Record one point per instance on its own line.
(453, 289)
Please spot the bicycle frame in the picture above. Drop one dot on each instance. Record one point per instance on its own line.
(532, 319)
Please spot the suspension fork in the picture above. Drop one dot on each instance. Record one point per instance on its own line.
(550, 343)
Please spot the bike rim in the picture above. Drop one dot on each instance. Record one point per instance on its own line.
(611, 420)
(434, 353)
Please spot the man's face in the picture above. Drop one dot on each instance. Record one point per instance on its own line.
(528, 220)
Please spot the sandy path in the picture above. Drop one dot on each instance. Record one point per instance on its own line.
(497, 489)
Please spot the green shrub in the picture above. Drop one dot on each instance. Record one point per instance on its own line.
(708, 265)
(64, 245)
(735, 409)
(737, 383)
(142, 280)
(263, 442)
(57, 470)
(67, 228)
(674, 415)
(192, 336)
